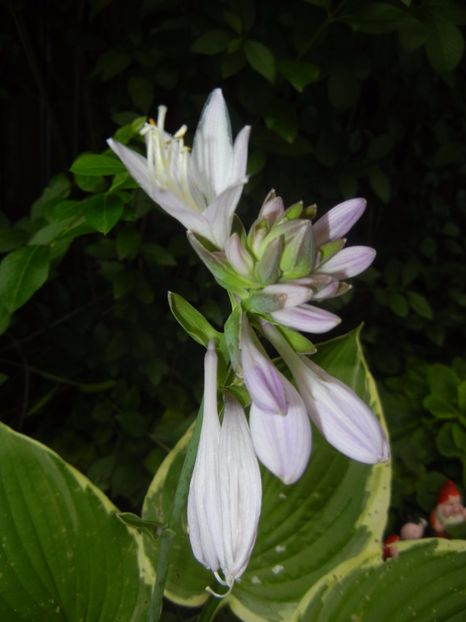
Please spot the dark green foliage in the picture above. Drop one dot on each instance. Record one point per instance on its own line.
(426, 412)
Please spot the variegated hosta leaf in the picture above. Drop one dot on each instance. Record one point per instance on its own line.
(64, 554)
(426, 583)
(335, 512)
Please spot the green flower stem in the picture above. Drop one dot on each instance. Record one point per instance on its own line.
(168, 536)
(211, 608)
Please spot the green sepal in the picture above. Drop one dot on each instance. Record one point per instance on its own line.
(218, 265)
(298, 342)
(330, 249)
(232, 333)
(241, 394)
(267, 269)
(263, 303)
(193, 322)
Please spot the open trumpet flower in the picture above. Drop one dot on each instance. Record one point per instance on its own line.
(200, 188)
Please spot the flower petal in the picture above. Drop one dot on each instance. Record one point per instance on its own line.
(307, 318)
(204, 515)
(240, 491)
(289, 295)
(212, 154)
(219, 214)
(240, 155)
(342, 417)
(348, 262)
(283, 442)
(137, 167)
(238, 256)
(262, 380)
(338, 221)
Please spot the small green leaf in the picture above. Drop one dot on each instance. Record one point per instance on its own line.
(261, 59)
(111, 63)
(232, 333)
(157, 255)
(95, 165)
(193, 322)
(103, 211)
(127, 243)
(212, 42)
(380, 184)
(282, 119)
(5, 318)
(232, 63)
(445, 45)
(299, 74)
(90, 183)
(397, 303)
(141, 91)
(420, 305)
(22, 273)
(11, 238)
(233, 20)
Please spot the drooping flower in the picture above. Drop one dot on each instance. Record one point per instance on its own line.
(283, 442)
(342, 417)
(262, 380)
(200, 189)
(224, 499)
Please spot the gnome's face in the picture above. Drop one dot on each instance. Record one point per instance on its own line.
(452, 510)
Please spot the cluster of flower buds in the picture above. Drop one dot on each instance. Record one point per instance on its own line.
(273, 274)
(285, 261)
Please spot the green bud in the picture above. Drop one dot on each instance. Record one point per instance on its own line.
(330, 248)
(294, 211)
(298, 256)
(286, 228)
(310, 211)
(267, 269)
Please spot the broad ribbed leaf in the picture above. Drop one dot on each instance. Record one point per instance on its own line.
(336, 511)
(426, 582)
(64, 555)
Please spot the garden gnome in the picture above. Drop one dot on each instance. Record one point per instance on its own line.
(448, 511)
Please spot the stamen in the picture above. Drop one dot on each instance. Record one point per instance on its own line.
(181, 132)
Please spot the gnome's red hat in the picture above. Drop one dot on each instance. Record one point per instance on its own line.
(447, 490)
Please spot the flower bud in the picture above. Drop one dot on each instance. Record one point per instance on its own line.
(283, 442)
(298, 255)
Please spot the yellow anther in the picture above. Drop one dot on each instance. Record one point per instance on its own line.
(152, 122)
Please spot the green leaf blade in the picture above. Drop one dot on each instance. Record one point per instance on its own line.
(60, 536)
(22, 273)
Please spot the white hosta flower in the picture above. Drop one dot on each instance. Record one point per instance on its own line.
(224, 499)
(343, 418)
(283, 442)
(262, 380)
(200, 189)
